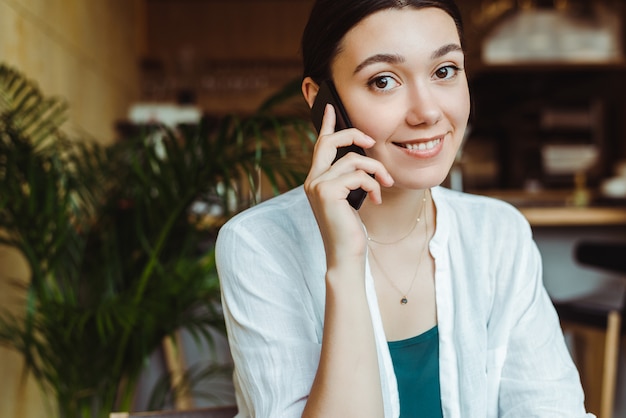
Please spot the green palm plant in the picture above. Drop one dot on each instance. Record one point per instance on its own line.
(118, 238)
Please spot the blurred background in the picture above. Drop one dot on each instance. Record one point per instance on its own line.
(546, 75)
(548, 81)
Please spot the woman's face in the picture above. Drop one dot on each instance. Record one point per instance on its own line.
(400, 75)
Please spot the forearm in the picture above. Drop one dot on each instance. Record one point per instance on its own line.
(347, 383)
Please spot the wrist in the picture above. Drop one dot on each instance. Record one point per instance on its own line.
(346, 270)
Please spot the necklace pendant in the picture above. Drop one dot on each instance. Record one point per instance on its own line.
(404, 301)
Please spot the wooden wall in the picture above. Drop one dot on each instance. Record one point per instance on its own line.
(86, 52)
(227, 29)
(230, 54)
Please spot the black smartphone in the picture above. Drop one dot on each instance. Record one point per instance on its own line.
(328, 94)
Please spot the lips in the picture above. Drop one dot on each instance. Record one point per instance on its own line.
(420, 146)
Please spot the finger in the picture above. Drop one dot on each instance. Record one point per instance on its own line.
(328, 120)
(350, 136)
(355, 162)
(363, 180)
(337, 189)
(337, 175)
(326, 147)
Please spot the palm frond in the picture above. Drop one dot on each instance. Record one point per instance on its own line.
(117, 256)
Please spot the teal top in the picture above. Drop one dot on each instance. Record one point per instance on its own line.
(416, 365)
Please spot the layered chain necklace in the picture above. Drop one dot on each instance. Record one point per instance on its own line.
(404, 294)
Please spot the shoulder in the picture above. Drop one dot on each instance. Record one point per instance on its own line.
(472, 204)
(273, 249)
(481, 224)
(280, 211)
(277, 222)
(479, 214)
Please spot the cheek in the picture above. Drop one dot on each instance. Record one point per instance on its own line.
(377, 122)
(464, 105)
(464, 109)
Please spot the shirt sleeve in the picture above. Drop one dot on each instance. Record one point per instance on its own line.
(539, 378)
(272, 323)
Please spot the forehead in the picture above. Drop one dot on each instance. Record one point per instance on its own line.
(407, 31)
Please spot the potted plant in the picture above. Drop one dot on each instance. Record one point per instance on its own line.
(118, 238)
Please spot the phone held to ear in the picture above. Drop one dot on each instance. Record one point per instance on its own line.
(328, 94)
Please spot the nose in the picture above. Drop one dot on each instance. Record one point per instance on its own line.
(422, 107)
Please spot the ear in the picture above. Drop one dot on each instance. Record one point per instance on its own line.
(309, 90)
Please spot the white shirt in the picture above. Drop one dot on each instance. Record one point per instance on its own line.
(502, 352)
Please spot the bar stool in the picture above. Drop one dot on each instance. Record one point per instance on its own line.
(577, 316)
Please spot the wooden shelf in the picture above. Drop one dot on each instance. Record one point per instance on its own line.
(547, 67)
(554, 208)
(573, 216)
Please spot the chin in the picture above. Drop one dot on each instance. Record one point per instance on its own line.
(426, 178)
(421, 182)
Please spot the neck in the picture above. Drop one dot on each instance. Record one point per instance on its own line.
(397, 214)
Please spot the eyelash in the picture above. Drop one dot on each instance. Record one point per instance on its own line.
(372, 83)
(451, 67)
(456, 69)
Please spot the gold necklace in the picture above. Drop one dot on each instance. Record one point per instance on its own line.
(417, 221)
(404, 299)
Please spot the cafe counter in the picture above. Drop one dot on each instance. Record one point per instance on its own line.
(558, 208)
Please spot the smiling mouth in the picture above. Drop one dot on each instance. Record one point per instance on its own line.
(422, 146)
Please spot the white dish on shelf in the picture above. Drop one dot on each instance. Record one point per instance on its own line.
(614, 187)
(562, 159)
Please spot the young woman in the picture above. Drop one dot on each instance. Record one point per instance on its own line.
(423, 303)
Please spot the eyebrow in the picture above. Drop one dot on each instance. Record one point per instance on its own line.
(446, 49)
(386, 58)
(397, 59)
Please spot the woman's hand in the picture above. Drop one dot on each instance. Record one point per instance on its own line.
(344, 379)
(327, 186)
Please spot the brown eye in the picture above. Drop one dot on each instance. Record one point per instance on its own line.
(381, 83)
(446, 72)
(442, 72)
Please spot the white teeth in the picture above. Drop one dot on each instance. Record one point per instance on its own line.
(423, 146)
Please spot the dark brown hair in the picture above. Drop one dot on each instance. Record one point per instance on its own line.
(330, 20)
